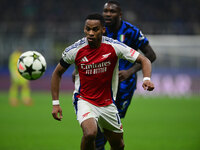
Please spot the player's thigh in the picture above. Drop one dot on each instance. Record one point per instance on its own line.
(87, 117)
(89, 127)
(115, 139)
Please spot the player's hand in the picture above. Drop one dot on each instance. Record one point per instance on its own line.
(57, 112)
(123, 75)
(148, 85)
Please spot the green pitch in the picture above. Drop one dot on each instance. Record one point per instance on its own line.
(157, 123)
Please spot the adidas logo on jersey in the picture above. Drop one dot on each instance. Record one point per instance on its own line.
(84, 59)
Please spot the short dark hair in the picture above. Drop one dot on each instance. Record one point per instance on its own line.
(116, 3)
(96, 16)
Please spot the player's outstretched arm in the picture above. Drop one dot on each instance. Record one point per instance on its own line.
(146, 70)
(55, 85)
(73, 76)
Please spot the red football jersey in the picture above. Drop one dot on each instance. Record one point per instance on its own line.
(96, 80)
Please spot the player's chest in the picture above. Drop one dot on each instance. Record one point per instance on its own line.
(95, 61)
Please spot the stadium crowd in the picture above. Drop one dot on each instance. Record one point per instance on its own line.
(172, 16)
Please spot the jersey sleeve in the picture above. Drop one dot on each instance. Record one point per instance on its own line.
(125, 52)
(139, 40)
(69, 54)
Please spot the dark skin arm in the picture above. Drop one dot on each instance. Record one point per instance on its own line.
(73, 76)
(146, 70)
(148, 52)
(55, 86)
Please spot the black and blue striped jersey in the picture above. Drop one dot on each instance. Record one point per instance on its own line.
(133, 37)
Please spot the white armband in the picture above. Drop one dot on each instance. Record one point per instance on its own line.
(146, 78)
(55, 102)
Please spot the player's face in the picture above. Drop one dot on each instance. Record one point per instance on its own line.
(94, 31)
(111, 14)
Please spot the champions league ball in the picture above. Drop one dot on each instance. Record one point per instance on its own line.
(31, 65)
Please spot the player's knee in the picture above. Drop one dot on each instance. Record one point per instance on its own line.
(90, 135)
(118, 146)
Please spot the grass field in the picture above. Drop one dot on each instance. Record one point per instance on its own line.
(158, 123)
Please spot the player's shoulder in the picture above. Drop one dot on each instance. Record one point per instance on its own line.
(80, 43)
(112, 42)
(129, 27)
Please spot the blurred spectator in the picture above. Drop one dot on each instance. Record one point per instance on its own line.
(19, 87)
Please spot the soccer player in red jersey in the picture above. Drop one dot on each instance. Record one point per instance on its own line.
(96, 59)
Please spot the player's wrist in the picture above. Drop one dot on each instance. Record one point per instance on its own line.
(55, 102)
(146, 79)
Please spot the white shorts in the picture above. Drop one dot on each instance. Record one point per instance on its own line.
(107, 117)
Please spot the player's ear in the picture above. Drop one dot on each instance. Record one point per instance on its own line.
(84, 29)
(104, 30)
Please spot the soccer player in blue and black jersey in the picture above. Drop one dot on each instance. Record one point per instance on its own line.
(127, 33)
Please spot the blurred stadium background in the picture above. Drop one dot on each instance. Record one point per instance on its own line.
(168, 121)
(172, 26)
